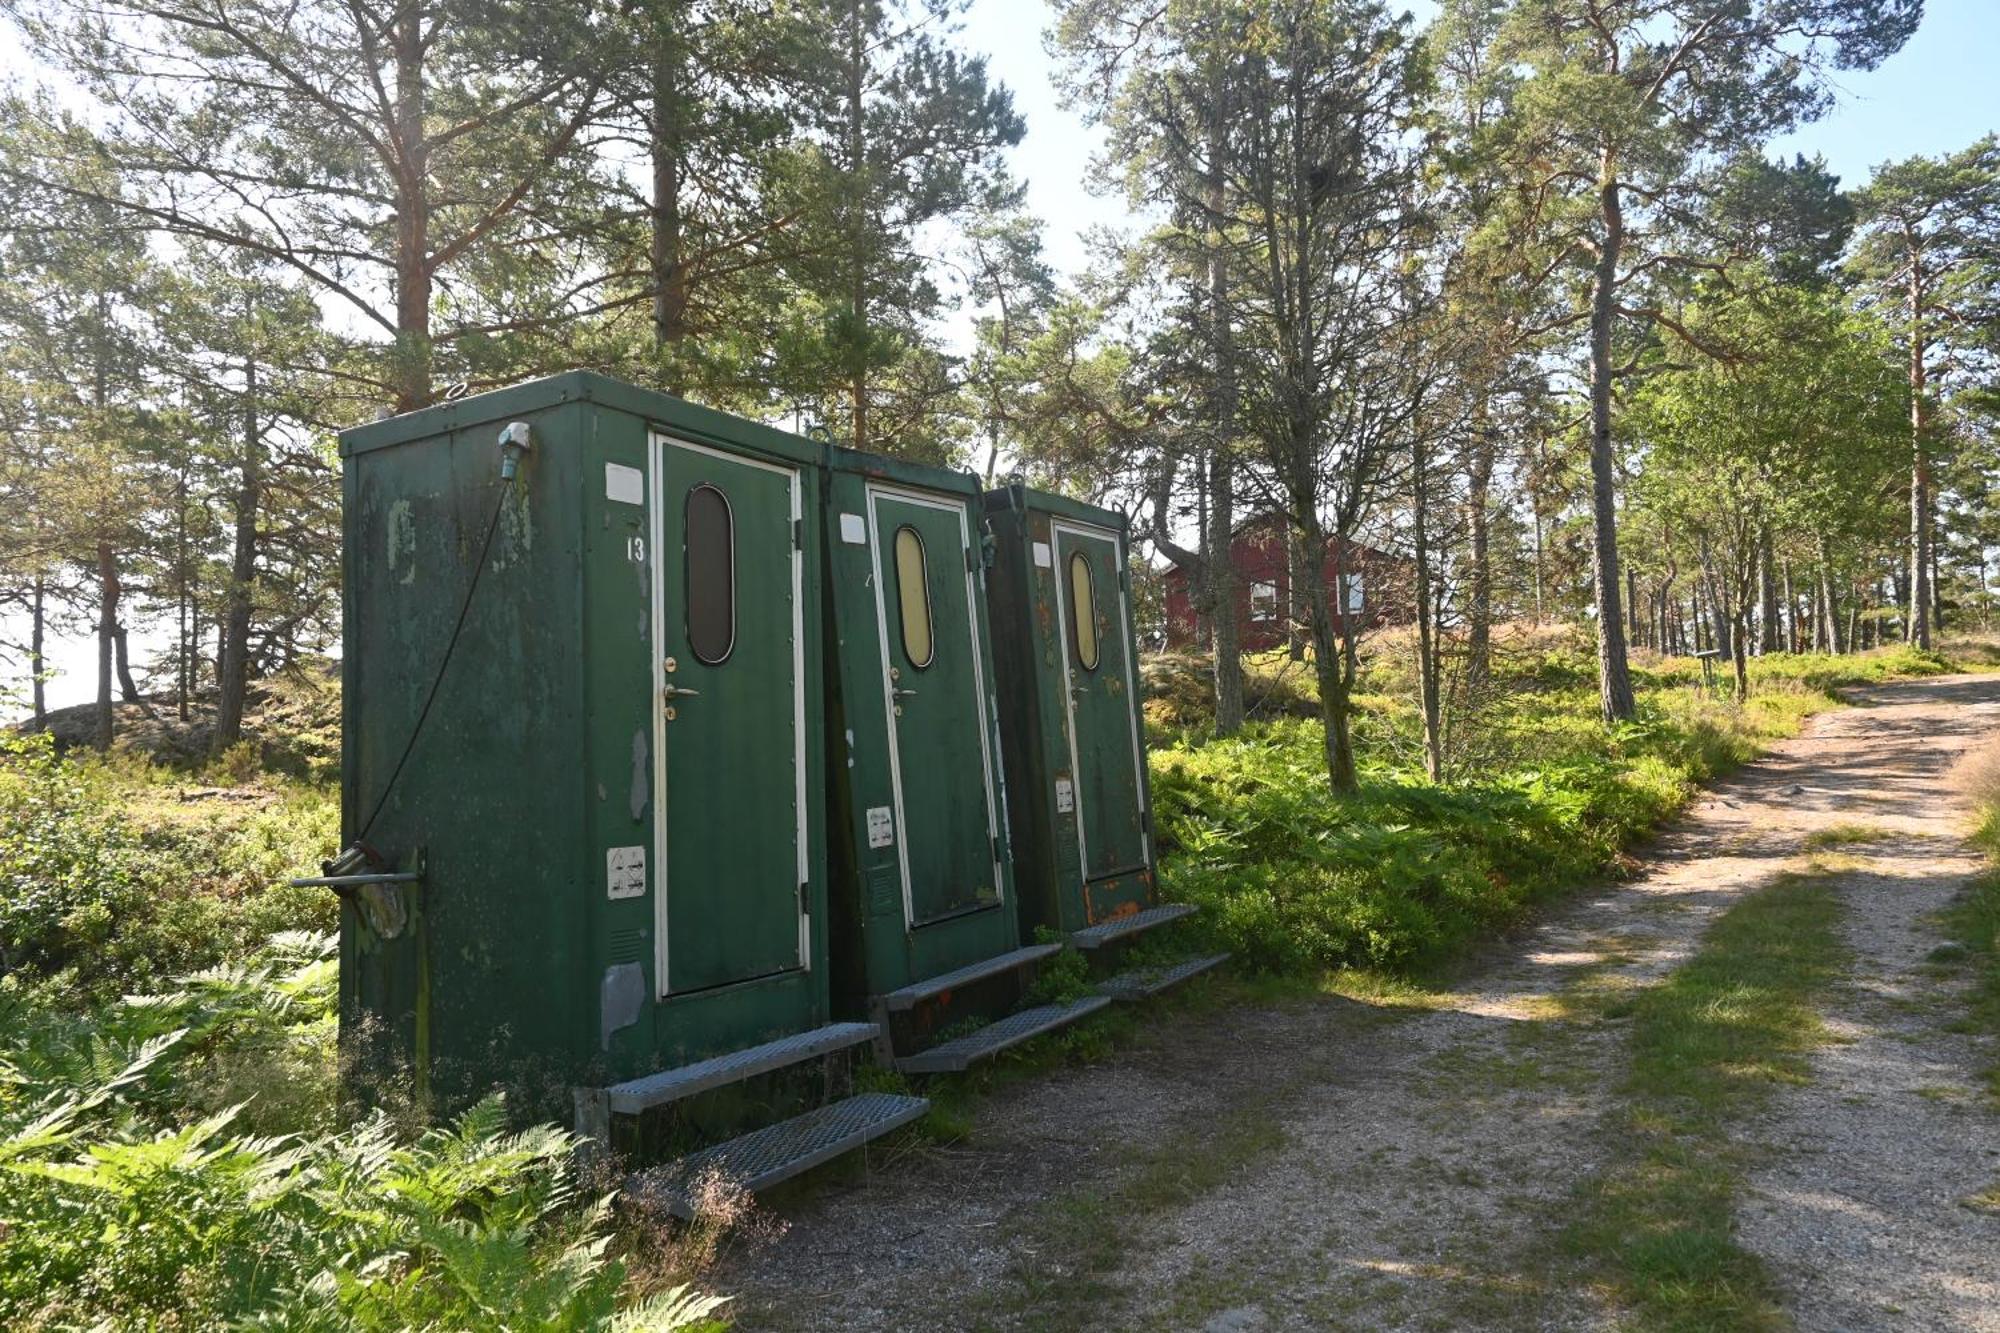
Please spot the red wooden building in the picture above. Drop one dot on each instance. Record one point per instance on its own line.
(1366, 584)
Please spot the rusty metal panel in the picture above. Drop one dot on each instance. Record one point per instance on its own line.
(1072, 734)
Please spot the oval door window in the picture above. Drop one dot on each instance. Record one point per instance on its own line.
(711, 575)
(1083, 611)
(913, 596)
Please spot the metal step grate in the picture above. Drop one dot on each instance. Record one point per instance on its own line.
(763, 1157)
(910, 996)
(1142, 983)
(952, 1056)
(670, 1085)
(1123, 927)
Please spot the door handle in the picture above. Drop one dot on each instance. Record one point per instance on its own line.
(900, 693)
(673, 691)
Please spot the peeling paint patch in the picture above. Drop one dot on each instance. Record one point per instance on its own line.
(641, 787)
(403, 540)
(620, 997)
(517, 529)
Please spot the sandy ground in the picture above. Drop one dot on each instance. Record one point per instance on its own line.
(1334, 1164)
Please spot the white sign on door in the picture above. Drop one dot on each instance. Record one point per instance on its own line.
(1065, 796)
(625, 872)
(881, 826)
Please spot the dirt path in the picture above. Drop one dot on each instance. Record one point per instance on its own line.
(1409, 1163)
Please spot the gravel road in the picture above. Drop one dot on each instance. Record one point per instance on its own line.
(1408, 1162)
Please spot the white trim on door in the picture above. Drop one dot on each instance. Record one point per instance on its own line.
(658, 443)
(877, 491)
(1057, 527)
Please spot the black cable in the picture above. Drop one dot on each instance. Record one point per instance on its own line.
(492, 526)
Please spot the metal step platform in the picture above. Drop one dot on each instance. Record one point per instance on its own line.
(914, 994)
(763, 1157)
(1142, 983)
(671, 1085)
(1124, 927)
(952, 1056)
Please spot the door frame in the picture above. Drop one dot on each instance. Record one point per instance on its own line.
(1057, 527)
(657, 444)
(876, 491)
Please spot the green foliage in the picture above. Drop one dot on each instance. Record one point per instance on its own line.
(1294, 878)
(1974, 917)
(112, 881)
(66, 866)
(123, 1201)
(1062, 977)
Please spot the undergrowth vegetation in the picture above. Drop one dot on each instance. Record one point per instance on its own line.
(1974, 919)
(1294, 878)
(175, 1150)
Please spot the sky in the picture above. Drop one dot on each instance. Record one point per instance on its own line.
(1936, 95)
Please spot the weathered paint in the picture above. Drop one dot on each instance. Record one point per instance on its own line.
(538, 758)
(923, 881)
(1075, 792)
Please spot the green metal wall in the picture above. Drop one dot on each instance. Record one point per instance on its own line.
(540, 757)
(1046, 792)
(953, 798)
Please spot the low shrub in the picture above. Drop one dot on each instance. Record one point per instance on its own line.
(124, 1202)
(115, 877)
(1405, 872)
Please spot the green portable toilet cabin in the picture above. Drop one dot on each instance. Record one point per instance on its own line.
(583, 762)
(1074, 739)
(927, 932)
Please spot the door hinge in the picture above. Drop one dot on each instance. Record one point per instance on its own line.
(999, 848)
(799, 534)
(805, 902)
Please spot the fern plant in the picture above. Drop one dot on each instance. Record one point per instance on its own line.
(120, 1206)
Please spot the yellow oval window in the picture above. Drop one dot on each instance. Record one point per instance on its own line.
(1083, 611)
(913, 596)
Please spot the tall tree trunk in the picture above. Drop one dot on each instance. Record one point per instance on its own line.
(1479, 577)
(107, 632)
(1791, 639)
(1718, 605)
(857, 167)
(38, 629)
(1634, 632)
(1767, 594)
(1919, 605)
(183, 645)
(235, 673)
(128, 689)
(1829, 606)
(1222, 459)
(1614, 678)
(670, 276)
(1331, 659)
(413, 260)
(1427, 660)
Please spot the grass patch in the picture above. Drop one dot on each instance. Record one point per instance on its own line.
(1843, 835)
(1709, 1044)
(1075, 1241)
